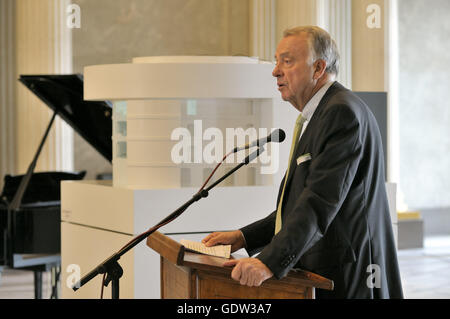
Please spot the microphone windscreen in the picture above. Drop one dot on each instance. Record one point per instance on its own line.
(278, 136)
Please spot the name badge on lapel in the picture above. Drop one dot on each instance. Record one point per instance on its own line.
(303, 158)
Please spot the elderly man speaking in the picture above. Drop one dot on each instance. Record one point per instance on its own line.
(332, 214)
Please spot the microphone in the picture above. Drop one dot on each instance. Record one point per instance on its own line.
(276, 136)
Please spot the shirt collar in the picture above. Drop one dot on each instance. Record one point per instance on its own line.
(312, 104)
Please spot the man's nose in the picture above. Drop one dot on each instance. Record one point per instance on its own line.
(276, 71)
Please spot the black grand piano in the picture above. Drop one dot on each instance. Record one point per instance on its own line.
(30, 210)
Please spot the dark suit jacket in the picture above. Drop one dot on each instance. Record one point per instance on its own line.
(335, 219)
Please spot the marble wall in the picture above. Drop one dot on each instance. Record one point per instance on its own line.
(424, 43)
(116, 31)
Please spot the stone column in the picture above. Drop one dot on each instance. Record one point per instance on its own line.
(368, 45)
(7, 85)
(294, 13)
(335, 16)
(375, 64)
(43, 46)
(262, 29)
(331, 15)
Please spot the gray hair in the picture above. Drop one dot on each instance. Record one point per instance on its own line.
(322, 44)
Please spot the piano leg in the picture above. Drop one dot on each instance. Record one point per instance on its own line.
(37, 284)
(56, 271)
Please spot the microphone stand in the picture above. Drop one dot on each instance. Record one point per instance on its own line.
(111, 267)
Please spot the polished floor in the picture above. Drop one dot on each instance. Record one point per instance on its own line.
(425, 274)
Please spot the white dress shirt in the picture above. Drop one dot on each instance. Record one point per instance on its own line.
(312, 104)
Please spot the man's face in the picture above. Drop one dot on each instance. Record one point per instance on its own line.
(294, 70)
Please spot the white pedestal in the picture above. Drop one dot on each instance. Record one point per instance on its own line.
(98, 220)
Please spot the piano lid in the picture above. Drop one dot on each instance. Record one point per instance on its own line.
(64, 94)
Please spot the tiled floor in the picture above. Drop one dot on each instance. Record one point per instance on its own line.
(425, 274)
(18, 284)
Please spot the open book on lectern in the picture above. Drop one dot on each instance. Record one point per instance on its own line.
(223, 251)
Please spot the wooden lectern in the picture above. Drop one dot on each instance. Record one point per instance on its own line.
(186, 275)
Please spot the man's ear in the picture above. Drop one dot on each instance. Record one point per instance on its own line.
(319, 68)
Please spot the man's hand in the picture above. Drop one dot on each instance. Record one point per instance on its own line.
(249, 271)
(233, 238)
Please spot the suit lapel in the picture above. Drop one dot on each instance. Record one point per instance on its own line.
(309, 133)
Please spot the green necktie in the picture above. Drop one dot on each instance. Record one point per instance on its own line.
(297, 131)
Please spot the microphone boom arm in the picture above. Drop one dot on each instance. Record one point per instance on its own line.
(111, 267)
